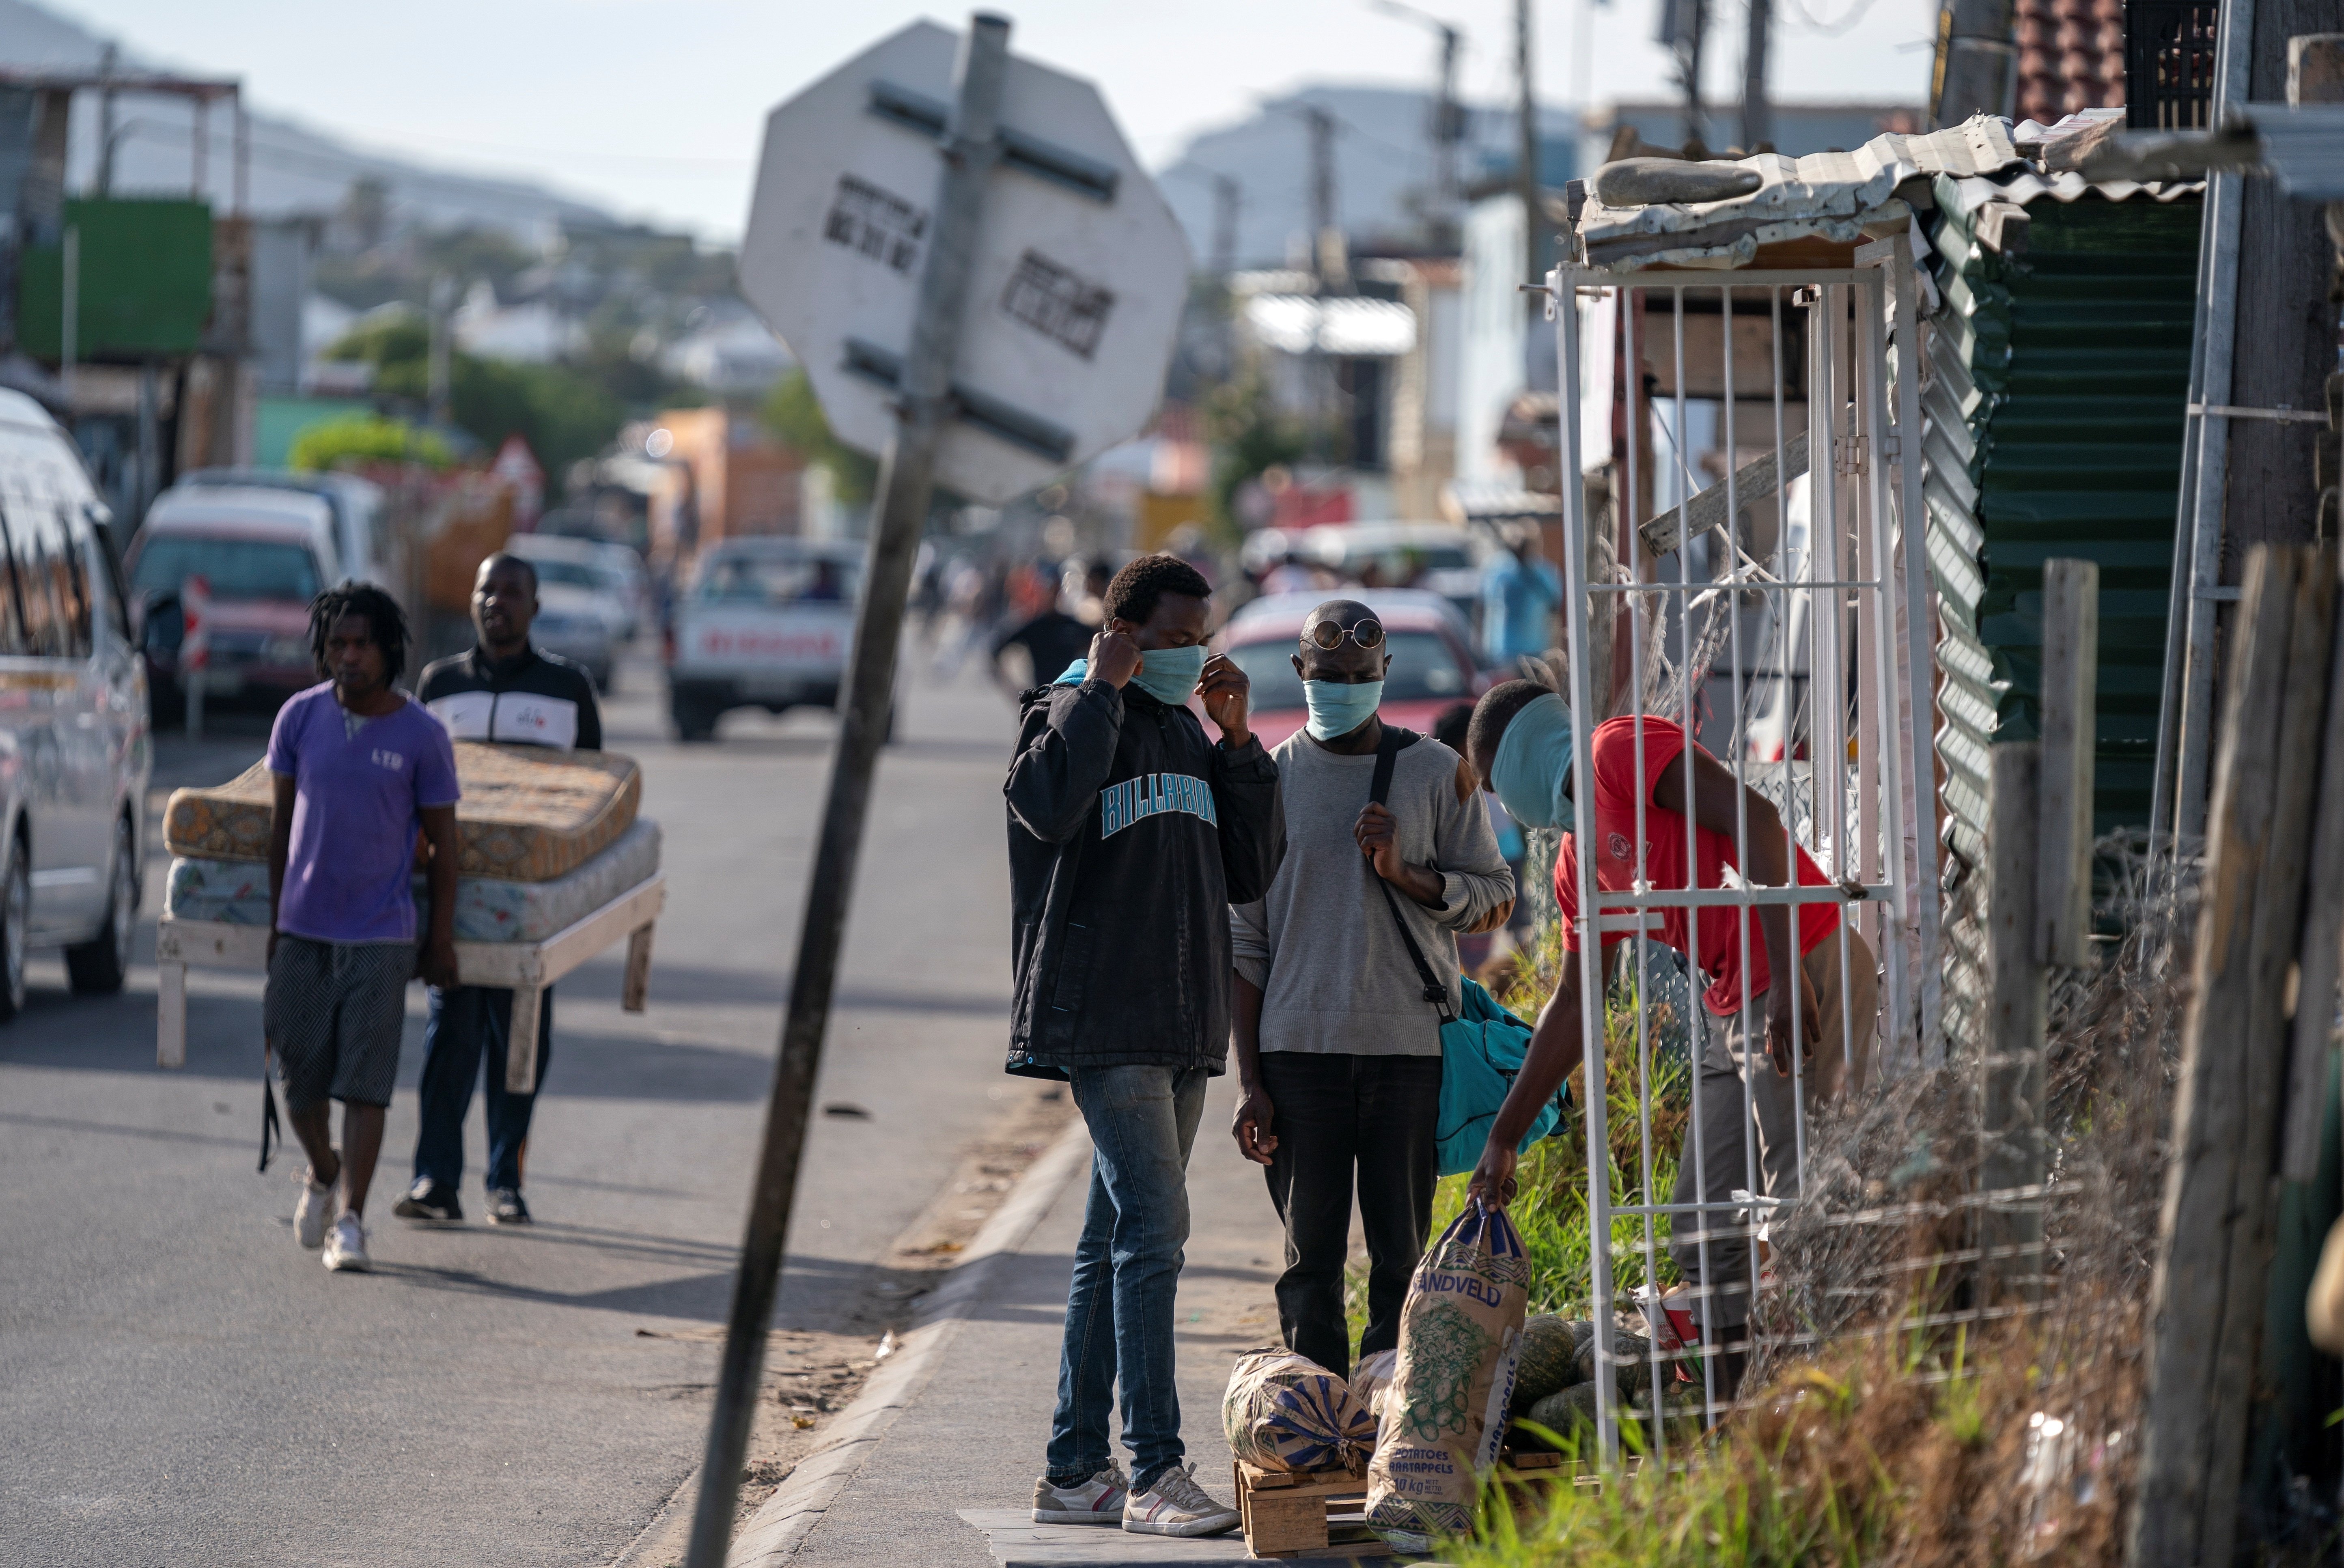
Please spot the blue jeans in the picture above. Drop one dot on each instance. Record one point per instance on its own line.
(1119, 1312)
(468, 1028)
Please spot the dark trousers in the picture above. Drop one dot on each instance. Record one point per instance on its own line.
(1337, 1119)
(467, 1030)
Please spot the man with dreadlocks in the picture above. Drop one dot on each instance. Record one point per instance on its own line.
(360, 768)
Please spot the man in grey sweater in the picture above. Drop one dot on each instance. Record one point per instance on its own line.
(1339, 1052)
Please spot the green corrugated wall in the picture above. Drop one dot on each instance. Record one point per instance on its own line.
(2053, 407)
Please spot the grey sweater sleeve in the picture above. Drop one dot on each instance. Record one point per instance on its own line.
(1249, 941)
(1473, 875)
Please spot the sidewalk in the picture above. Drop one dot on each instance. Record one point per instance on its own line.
(972, 1441)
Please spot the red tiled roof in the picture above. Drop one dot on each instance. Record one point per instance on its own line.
(2070, 58)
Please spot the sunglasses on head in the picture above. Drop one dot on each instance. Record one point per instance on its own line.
(1326, 636)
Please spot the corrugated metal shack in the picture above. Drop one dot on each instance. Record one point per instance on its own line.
(2059, 369)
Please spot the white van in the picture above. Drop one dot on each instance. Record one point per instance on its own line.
(75, 748)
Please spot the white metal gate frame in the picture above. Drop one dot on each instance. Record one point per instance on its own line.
(1851, 502)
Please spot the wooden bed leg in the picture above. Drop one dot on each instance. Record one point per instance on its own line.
(636, 990)
(520, 1042)
(171, 1015)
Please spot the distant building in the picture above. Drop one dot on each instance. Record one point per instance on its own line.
(727, 478)
(734, 355)
(532, 333)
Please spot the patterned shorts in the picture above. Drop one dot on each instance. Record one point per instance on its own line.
(333, 1013)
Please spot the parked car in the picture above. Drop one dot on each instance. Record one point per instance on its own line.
(265, 553)
(1433, 663)
(359, 549)
(766, 623)
(1433, 556)
(580, 625)
(74, 748)
(591, 568)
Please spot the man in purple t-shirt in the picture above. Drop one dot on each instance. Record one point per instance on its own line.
(359, 767)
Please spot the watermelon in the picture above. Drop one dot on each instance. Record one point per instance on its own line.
(1632, 1356)
(1549, 1359)
(1569, 1415)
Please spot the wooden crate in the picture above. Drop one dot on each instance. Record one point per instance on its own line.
(1290, 1515)
(1321, 1513)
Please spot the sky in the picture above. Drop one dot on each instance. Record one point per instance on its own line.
(653, 106)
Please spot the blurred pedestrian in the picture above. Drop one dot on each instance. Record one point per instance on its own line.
(1130, 836)
(503, 689)
(1058, 636)
(1520, 592)
(359, 769)
(1337, 1045)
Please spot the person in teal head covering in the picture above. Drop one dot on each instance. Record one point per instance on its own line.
(1645, 779)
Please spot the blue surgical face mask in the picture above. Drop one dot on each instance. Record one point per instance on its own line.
(1531, 772)
(1170, 674)
(1339, 707)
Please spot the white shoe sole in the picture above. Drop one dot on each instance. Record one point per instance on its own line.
(1112, 1518)
(1185, 1528)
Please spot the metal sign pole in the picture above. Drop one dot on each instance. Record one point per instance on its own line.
(907, 484)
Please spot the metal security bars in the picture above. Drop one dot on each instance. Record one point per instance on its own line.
(1758, 585)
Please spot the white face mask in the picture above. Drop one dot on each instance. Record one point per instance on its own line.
(1339, 707)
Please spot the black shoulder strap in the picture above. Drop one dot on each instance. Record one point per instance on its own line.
(1388, 750)
(1396, 741)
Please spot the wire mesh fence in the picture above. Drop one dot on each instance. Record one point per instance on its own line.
(1745, 653)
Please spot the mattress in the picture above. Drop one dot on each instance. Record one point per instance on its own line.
(528, 813)
(488, 908)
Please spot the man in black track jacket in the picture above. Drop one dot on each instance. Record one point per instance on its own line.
(1130, 835)
(505, 689)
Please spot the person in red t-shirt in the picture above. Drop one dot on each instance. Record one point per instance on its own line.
(1648, 780)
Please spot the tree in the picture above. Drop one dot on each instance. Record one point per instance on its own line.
(794, 414)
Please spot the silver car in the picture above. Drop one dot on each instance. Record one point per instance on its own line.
(76, 751)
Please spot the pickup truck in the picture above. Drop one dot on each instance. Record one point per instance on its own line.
(768, 622)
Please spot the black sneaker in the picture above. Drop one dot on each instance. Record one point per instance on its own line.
(424, 1200)
(505, 1207)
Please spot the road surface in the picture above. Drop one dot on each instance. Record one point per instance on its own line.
(184, 1385)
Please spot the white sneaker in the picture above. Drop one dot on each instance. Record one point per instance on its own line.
(346, 1249)
(1176, 1505)
(313, 1212)
(1098, 1501)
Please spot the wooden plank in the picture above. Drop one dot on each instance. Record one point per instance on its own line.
(211, 944)
(543, 963)
(2317, 957)
(170, 1013)
(2010, 1129)
(520, 1040)
(1753, 484)
(2208, 1296)
(2071, 673)
(1284, 1521)
(634, 992)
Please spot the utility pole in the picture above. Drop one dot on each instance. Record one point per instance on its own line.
(1691, 34)
(1227, 196)
(438, 397)
(1977, 63)
(105, 59)
(1328, 264)
(1757, 114)
(1446, 128)
(900, 512)
(1526, 155)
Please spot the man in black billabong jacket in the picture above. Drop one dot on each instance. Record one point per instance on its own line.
(504, 690)
(1130, 835)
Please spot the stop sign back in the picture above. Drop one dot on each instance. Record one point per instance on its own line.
(1076, 284)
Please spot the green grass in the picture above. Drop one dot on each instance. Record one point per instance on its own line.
(1551, 1210)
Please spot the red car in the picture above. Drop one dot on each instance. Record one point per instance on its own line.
(1433, 663)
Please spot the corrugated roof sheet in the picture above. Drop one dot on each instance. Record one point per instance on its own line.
(1836, 195)
(2053, 417)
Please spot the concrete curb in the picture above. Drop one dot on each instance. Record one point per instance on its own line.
(780, 1527)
